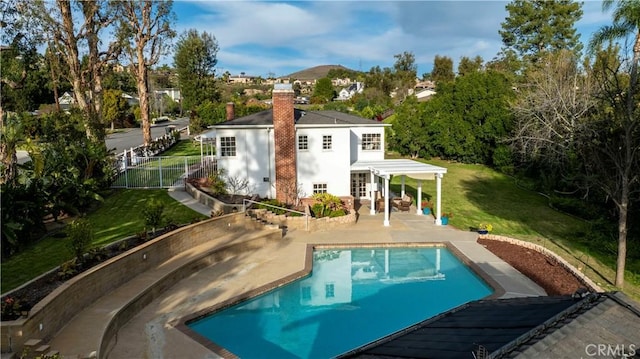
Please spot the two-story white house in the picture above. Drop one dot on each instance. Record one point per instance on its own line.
(287, 153)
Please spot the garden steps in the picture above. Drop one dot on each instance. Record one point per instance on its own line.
(91, 324)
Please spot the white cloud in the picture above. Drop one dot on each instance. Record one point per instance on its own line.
(262, 37)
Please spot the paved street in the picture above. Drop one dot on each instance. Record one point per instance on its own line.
(129, 137)
(132, 137)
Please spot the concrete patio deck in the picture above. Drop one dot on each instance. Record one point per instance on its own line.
(153, 333)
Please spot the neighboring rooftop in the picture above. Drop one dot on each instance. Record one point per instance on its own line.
(530, 327)
(265, 118)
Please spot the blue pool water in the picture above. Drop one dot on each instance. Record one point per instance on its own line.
(353, 297)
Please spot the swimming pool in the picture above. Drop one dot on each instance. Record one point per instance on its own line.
(352, 297)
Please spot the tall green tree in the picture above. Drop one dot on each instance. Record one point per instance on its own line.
(324, 92)
(533, 27)
(195, 59)
(442, 69)
(114, 107)
(467, 65)
(405, 73)
(381, 79)
(614, 140)
(145, 31)
(73, 30)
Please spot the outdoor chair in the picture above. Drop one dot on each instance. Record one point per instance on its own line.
(402, 203)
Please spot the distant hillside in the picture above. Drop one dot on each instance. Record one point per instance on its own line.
(316, 72)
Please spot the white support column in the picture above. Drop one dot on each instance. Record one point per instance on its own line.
(372, 210)
(438, 198)
(386, 201)
(402, 186)
(201, 152)
(419, 201)
(386, 262)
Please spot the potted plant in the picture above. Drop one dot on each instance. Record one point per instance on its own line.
(426, 207)
(485, 228)
(445, 216)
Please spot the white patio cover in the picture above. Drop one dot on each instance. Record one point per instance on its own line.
(208, 138)
(404, 167)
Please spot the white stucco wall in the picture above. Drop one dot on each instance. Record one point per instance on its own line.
(356, 151)
(253, 160)
(316, 165)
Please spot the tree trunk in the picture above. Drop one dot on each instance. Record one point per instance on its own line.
(622, 235)
(143, 93)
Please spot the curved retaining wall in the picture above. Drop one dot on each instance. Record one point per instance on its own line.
(540, 249)
(53, 312)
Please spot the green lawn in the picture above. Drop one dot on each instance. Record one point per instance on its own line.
(118, 217)
(476, 194)
(184, 148)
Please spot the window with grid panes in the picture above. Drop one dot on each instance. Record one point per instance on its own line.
(319, 188)
(303, 142)
(371, 141)
(227, 146)
(326, 142)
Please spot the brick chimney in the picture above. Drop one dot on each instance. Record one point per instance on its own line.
(284, 134)
(231, 111)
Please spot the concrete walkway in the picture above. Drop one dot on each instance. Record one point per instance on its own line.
(184, 198)
(152, 333)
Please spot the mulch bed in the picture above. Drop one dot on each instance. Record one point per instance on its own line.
(543, 270)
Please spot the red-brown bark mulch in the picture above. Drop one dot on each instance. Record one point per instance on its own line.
(545, 271)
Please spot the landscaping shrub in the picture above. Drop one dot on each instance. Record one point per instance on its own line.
(576, 207)
(337, 213)
(153, 214)
(217, 183)
(273, 202)
(318, 210)
(326, 204)
(80, 236)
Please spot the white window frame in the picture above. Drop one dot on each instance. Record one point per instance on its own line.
(228, 146)
(303, 145)
(327, 139)
(371, 142)
(319, 188)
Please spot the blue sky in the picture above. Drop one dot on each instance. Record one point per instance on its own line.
(278, 38)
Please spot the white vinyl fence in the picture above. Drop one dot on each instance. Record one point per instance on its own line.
(160, 171)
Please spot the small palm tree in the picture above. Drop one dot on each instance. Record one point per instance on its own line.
(626, 21)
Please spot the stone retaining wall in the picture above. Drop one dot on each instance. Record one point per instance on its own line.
(49, 316)
(540, 249)
(307, 222)
(211, 202)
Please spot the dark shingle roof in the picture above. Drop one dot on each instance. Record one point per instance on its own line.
(610, 319)
(265, 118)
(517, 327)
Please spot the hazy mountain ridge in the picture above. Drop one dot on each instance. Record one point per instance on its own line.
(316, 72)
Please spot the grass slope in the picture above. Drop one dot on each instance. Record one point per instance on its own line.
(477, 194)
(119, 216)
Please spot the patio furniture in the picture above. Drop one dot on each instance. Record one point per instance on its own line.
(380, 204)
(402, 203)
